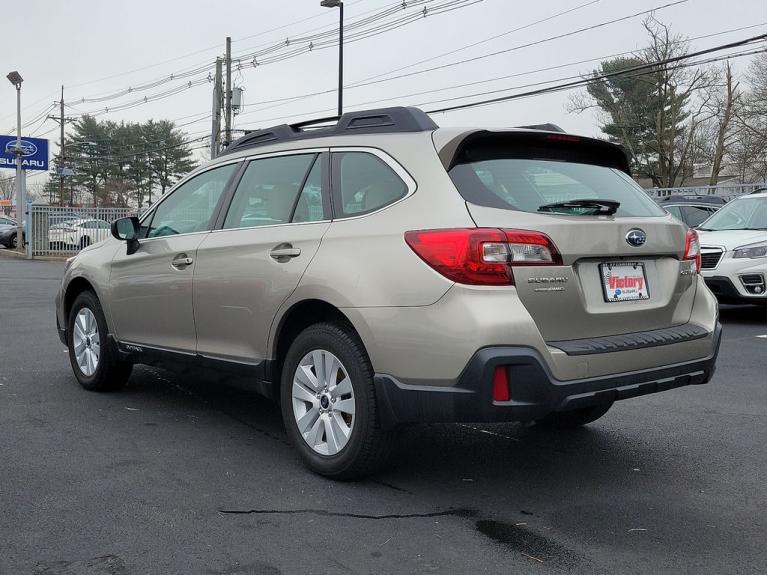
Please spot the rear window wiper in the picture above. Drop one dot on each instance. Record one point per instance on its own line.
(599, 207)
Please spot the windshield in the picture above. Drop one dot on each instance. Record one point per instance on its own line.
(530, 184)
(742, 214)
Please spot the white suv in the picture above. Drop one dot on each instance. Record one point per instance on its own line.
(734, 250)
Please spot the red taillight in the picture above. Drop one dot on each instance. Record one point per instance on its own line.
(501, 384)
(692, 249)
(482, 256)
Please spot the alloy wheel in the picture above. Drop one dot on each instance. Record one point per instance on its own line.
(323, 402)
(87, 345)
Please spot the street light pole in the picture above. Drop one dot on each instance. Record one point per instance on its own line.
(16, 79)
(340, 5)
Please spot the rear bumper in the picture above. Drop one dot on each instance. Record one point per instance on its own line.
(534, 390)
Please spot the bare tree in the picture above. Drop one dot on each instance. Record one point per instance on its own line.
(751, 119)
(655, 114)
(7, 188)
(721, 104)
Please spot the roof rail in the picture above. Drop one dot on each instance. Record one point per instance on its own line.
(545, 127)
(381, 121)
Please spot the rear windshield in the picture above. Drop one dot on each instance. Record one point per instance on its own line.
(526, 184)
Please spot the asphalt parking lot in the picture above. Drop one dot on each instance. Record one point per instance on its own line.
(183, 473)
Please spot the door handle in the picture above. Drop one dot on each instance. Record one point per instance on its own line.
(182, 261)
(284, 252)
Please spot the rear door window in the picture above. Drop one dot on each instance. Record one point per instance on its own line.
(268, 192)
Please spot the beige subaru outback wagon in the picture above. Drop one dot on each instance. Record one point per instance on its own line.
(382, 271)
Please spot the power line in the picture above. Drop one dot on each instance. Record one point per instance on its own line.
(438, 9)
(580, 82)
(527, 44)
(483, 41)
(446, 6)
(208, 66)
(200, 51)
(363, 83)
(652, 66)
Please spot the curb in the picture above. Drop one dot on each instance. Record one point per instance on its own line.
(8, 253)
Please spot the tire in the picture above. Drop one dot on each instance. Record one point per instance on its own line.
(574, 418)
(85, 241)
(107, 373)
(13, 244)
(367, 446)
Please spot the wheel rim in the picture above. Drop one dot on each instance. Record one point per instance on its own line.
(87, 345)
(323, 402)
(14, 242)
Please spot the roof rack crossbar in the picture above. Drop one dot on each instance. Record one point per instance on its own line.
(315, 121)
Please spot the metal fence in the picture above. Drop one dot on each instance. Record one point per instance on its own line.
(62, 231)
(726, 191)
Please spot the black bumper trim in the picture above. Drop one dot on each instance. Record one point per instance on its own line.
(723, 288)
(629, 341)
(61, 331)
(534, 390)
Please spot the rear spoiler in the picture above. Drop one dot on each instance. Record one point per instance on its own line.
(590, 150)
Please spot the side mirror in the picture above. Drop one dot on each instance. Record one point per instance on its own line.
(127, 230)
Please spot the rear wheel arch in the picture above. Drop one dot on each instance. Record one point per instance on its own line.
(296, 319)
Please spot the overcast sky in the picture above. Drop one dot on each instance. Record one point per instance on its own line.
(97, 47)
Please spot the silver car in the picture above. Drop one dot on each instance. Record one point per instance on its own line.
(384, 271)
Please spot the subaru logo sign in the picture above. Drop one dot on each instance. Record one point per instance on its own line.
(636, 237)
(27, 148)
(33, 156)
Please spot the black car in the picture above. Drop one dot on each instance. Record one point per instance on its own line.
(691, 214)
(697, 199)
(8, 232)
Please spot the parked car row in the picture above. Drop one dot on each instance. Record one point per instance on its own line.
(77, 234)
(65, 231)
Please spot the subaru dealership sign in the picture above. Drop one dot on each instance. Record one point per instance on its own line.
(34, 153)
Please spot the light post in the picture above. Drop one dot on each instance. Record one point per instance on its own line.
(339, 4)
(16, 79)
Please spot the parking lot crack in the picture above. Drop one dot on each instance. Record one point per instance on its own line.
(325, 513)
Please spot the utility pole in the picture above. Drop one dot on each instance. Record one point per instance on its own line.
(215, 134)
(341, 60)
(228, 137)
(62, 159)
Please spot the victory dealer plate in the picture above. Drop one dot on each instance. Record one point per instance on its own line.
(624, 281)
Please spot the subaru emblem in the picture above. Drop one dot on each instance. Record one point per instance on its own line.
(636, 237)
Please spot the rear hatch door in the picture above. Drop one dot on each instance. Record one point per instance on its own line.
(621, 272)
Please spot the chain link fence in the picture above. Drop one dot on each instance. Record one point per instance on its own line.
(62, 231)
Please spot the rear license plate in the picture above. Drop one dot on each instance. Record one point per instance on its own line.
(624, 281)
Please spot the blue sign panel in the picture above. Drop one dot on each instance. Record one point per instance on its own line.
(34, 153)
